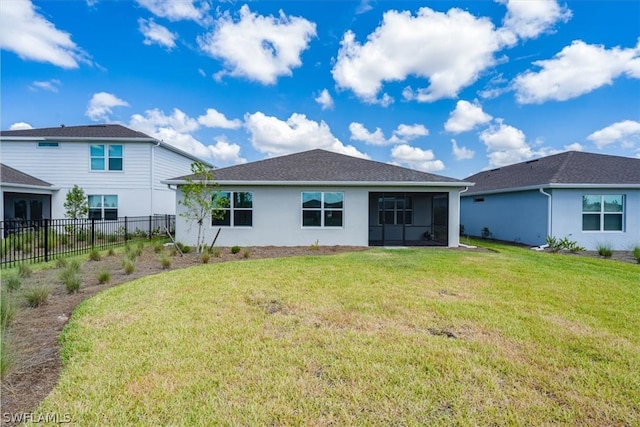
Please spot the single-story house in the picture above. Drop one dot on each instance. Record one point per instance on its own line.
(328, 198)
(591, 199)
(119, 169)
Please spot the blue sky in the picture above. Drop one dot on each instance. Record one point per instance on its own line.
(448, 87)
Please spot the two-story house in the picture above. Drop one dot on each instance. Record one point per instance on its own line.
(119, 169)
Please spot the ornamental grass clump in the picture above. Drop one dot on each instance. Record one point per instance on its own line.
(70, 277)
(103, 277)
(36, 295)
(13, 282)
(128, 265)
(636, 253)
(205, 257)
(24, 271)
(95, 255)
(604, 250)
(165, 261)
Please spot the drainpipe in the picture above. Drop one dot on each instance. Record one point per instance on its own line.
(549, 211)
(151, 174)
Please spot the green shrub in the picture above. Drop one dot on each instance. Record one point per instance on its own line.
(24, 271)
(35, 296)
(103, 277)
(605, 250)
(553, 244)
(235, 249)
(165, 261)
(205, 257)
(636, 253)
(95, 255)
(13, 282)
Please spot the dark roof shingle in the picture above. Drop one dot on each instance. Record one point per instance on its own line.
(9, 175)
(322, 166)
(571, 167)
(87, 131)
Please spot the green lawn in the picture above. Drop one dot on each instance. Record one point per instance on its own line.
(382, 337)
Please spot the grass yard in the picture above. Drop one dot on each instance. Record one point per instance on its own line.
(381, 337)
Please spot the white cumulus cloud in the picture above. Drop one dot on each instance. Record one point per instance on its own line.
(177, 10)
(325, 100)
(20, 126)
(276, 137)
(505, 144)
(626, 133)
(156, 34)
(415, 158)
(528, 19)
(176, 129)
(215, 119)
(100, 105)
(449, 49)
(402, 134)
(461, 153)
(465, 117)
(260, 48)
(32, 37)
(576, 70)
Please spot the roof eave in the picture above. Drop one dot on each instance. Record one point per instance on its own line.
(330, 183)
(551, 185)
(30, 186)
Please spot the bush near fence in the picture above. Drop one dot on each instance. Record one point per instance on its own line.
(47, 239)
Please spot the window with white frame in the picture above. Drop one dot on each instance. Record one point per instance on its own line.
(106, 157)
(103, 207)
(322, 209)
(236, 208)
(602, 212)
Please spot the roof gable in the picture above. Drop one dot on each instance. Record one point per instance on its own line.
(322, 166)
(571, 167)
(9, 175)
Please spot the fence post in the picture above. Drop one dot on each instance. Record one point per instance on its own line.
(150, 225)
(126, 232)
(46, 240)
(93, 232)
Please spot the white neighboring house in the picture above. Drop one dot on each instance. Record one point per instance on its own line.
(118, 168)
(329, 198)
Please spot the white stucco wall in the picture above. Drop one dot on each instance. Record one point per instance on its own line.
(277, 219)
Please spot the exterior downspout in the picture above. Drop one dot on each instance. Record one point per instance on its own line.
(151, 175)
(549, 212)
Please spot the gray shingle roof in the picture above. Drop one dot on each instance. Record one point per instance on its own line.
(88, 131)
(9, 175)
(571, 167)
(322, 166)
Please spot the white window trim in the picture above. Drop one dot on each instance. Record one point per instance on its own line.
(106, 159)
(322, 210)
(602, 213)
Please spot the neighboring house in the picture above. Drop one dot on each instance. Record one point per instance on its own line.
(592, 199)
(329, 198)
(119, 169)
(24, 196)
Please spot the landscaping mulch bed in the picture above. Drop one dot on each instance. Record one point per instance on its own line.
(34, 332)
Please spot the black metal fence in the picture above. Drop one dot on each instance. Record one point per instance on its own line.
(47, 239)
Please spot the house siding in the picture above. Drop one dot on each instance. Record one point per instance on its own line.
(137, 186)
(515, 217)
(567, 219)
(277, 218)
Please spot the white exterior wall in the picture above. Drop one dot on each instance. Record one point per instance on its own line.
(567, 219)
(277, 219)
(137, 186)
